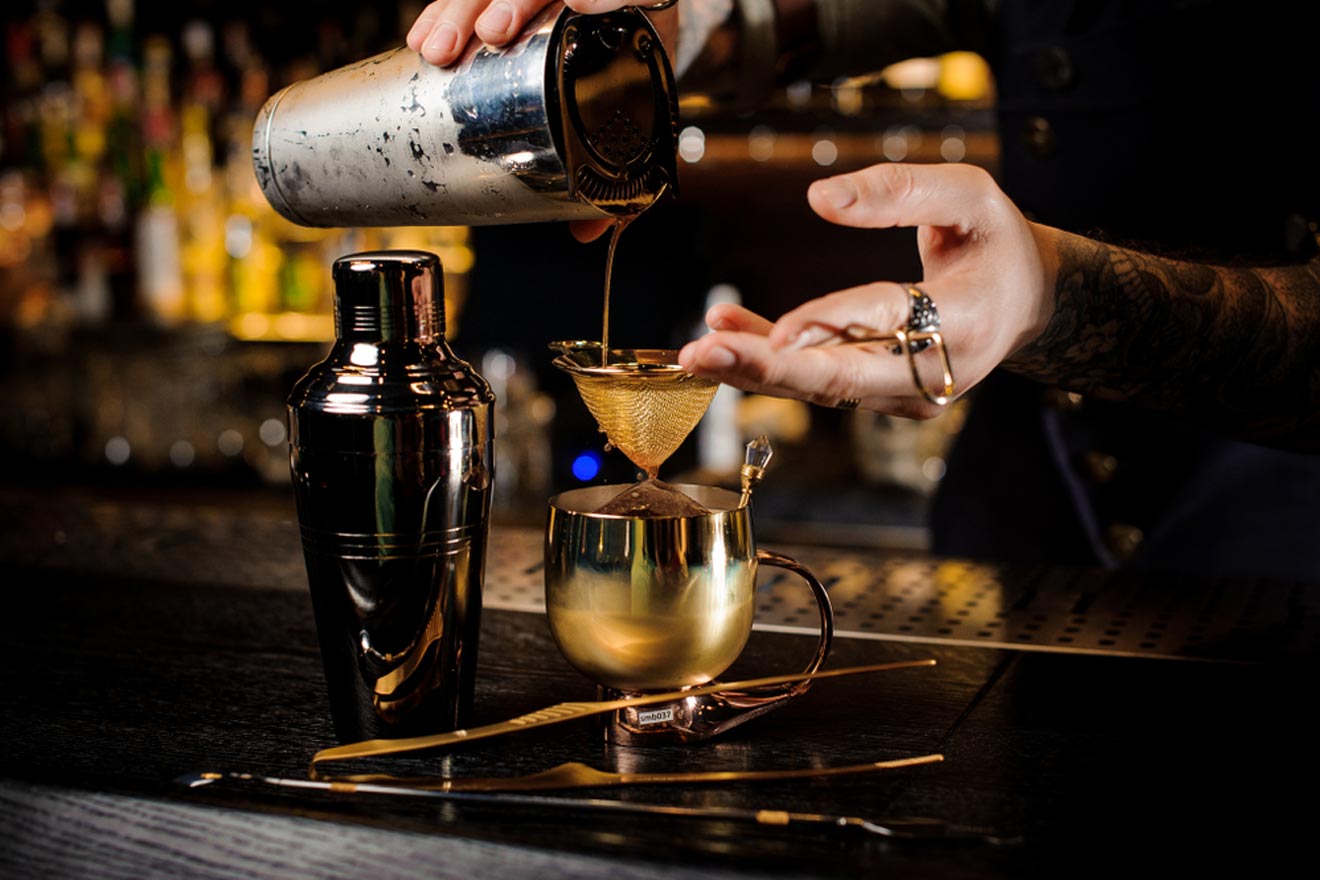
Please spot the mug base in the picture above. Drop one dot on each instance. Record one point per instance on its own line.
(686, 719)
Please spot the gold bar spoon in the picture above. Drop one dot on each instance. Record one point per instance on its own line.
(569, 711)
(577, 775)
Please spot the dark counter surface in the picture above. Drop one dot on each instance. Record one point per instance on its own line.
(151, 638)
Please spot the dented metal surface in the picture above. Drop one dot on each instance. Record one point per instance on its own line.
(394, 140)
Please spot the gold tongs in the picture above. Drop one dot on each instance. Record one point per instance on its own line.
(898, 828)
(577, 775)
(564, 776)
(573, 710)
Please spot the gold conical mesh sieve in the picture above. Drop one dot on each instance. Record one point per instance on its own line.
(642, 399)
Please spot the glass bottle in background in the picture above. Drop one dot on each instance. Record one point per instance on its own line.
(91, 296)
(122, 189)
(254, 259)
(201, 209)
(60, 171)
(28, 265)
(160, 274)
(128, 205)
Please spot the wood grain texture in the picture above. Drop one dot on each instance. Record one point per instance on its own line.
(50, 832)
(118, 681)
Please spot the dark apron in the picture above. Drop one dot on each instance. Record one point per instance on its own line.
(1176, 127)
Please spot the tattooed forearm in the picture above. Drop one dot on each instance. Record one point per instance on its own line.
(1235, 348)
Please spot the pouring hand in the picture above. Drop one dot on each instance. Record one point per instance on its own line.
(989, 271)
(443, 28)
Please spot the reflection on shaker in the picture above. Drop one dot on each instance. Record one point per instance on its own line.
(391, 458)
(575, 120)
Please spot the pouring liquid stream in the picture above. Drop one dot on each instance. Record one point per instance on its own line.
(621, 223)
(644, 404)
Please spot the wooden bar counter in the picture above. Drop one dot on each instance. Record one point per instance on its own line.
(146, 639)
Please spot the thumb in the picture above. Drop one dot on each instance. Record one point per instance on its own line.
(589, 230)
(598, 6)
(895, 194)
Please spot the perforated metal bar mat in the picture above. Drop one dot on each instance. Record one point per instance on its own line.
(876, 594)
(879, 596)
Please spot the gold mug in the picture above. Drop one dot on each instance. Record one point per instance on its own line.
(645, 604)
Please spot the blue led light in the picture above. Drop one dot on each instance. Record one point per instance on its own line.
(586, 466)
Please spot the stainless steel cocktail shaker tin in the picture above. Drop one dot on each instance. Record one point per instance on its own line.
(391, 457)
(573, 121)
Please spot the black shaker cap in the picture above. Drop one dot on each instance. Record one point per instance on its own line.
(389, 296)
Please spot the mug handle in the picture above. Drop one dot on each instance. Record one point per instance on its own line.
(715, 713)
(770, 694)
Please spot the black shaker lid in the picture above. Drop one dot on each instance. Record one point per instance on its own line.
(389, 296)
(390, 362)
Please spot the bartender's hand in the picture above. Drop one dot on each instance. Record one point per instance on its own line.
(988, 270)
(444, 27)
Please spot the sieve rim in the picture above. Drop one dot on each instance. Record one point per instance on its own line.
(624, 363)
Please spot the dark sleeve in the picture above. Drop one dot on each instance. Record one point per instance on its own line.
(750, 46)
(863, 36)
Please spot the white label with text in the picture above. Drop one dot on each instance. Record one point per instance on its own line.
(655, 716)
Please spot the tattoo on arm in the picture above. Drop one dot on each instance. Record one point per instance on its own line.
(1237, 349)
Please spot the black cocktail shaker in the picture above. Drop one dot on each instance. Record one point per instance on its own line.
(391, 455)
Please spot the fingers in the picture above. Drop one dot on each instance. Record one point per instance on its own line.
(747, 352)
(443, 28)
(589, 230)
(823, 376)
(421, 28)
(746, 361)
(978, 255)
(728, 316)
(598, 6)
(504, 19)
(881, 306)
(895, 194)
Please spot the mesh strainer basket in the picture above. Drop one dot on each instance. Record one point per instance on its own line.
(641, 398)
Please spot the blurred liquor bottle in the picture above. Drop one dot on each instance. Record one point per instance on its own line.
(27, 261)
(160, 273)
(254, 258)
(202, 198)
(122, 179)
